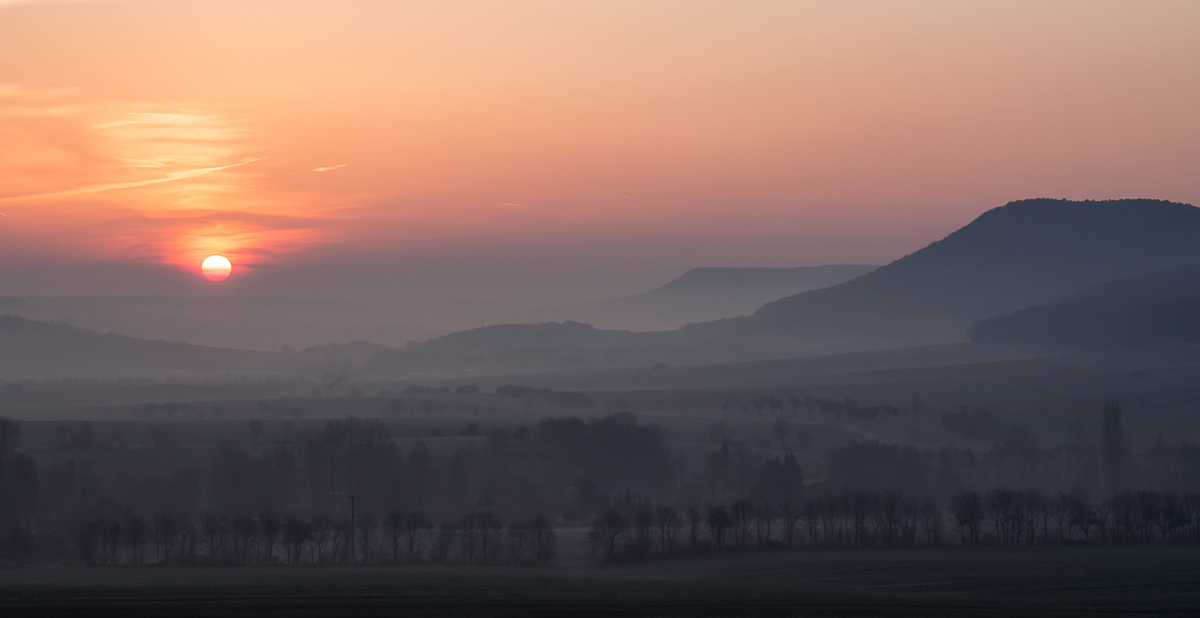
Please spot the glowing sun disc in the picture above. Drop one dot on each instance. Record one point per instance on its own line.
(216, 268)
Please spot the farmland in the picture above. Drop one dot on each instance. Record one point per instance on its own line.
(1069, 581)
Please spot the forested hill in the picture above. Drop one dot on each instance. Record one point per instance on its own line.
(1159, 307)
(1022, 254)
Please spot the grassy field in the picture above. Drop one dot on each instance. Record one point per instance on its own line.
(934, 582)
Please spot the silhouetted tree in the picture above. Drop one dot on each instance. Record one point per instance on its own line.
(543, 540)
(719, 523)
(608, 530)
(268, 528)
(669, 523)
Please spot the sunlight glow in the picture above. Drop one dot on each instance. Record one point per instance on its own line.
(216, 268)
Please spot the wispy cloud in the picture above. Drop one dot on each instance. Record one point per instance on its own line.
(171, 182)
(330, 168)
(182, 175)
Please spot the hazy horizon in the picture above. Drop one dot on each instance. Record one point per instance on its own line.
(557, 153)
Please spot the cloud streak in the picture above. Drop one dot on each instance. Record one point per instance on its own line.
(330, 168)
(169, 182)
(174, 176)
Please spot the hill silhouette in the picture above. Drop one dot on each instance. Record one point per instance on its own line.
(1025, 253)
(30, 349)
(1022, 254)
(1154, 308)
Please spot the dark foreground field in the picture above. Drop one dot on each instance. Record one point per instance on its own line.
(947, 582)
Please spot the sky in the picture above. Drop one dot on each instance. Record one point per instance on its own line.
(558, 151)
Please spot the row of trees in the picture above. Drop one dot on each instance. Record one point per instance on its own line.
(864, 519)
(1009, 517)
(115, 539)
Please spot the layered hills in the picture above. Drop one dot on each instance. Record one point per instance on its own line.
(1041, 271)
(1019, 255)
(1022, 254)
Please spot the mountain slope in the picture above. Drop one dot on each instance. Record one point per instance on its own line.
(1022, 254)
(1159, 307)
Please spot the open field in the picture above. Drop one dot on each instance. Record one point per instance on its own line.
(1080, 581)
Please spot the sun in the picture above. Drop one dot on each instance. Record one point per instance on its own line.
(216, 268)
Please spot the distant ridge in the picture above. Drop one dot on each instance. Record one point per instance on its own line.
(30, 349)
(704, 294)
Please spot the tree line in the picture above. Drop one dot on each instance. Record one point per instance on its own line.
(998, 517)
(500, 494)
(128, 539)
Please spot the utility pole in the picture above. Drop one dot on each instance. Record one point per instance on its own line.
(353, 529)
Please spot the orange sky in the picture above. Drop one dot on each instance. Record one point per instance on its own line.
(678, 133)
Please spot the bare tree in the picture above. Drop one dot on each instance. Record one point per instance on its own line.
(322, 533)
(416, 527)
(608, 529)
(764, 516)
(718, 524)
(669, 523)
(643, 524)
(268, 527)
(694, 521)
(967, 510)
(135, 534)
(491, 532)
(741, 514)
(213, 527)
(295, 533)
(394, 525)
(998, 504)
(242, 531)
(789, 515)
(517, 541)
(366, 536)
(447, 534)
(165, 529)
(931, 520)
(542, 539)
